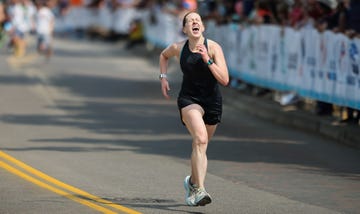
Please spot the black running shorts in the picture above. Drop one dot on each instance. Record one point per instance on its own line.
(212, 108)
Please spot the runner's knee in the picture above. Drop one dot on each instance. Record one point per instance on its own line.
(200, 139)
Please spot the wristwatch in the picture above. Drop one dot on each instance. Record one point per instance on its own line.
(210, 62)
(161, 76)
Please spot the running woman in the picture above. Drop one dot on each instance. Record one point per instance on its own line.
(203, 65)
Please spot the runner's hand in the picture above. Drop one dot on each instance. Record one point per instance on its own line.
(165, 88)
(201, 49)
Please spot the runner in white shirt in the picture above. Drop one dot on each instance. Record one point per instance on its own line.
(45, 20)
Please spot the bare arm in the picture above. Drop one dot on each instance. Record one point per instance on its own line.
(165, 55)
(218, 68)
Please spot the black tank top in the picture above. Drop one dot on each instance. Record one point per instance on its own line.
(198, 81)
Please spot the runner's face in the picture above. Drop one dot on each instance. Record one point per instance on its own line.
(193, 26)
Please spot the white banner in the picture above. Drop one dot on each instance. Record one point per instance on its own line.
(342, 45)
(355, 61)
(293, 58)
(353, 76)
(329, 67)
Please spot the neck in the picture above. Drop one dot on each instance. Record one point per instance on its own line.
(195, 41)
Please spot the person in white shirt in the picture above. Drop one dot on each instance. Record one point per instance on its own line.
(16, 27)
(29, 15)
(45, 20)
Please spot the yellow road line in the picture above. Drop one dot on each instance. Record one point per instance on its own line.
(65, 186)
(53, 189)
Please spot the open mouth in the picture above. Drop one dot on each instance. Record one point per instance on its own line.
(195, 29)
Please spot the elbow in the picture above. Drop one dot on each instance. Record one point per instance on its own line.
(225, 82)
(162, 59)
(225, 78)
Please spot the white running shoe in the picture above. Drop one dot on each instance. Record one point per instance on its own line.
(201, 197)
(194, 195)
(189, 192)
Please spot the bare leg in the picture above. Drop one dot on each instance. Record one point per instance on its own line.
(201, 134)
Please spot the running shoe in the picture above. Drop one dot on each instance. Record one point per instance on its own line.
(201, 197)
(189, 192)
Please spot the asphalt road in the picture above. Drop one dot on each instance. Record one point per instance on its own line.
(89, 132)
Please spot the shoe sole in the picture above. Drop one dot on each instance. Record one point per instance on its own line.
(204, 201)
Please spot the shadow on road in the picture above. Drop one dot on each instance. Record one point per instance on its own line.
(136, 112)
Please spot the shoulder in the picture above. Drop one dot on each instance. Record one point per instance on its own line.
(178, 45)
(174, 49)
(212, 44)
(213, 47)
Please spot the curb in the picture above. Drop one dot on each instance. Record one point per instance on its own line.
(300, 119)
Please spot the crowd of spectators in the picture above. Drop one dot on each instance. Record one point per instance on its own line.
(20, 18)
(337, 15)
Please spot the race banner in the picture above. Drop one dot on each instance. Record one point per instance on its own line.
(329, 66)
(341, 51)
(353, 74)
(292, 58)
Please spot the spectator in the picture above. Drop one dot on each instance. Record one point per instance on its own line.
(63, 7)
(282, 14)
(248, 6)
(319, 12)
(339, 21)
(261, 14)
(354, 16)
(353, 23)
(212, 12)
(191, 5)
(29, 16)
(16, 27)
(296, 13)
(44, 29)
(136, 35)
(239, 14)
(227, 11)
